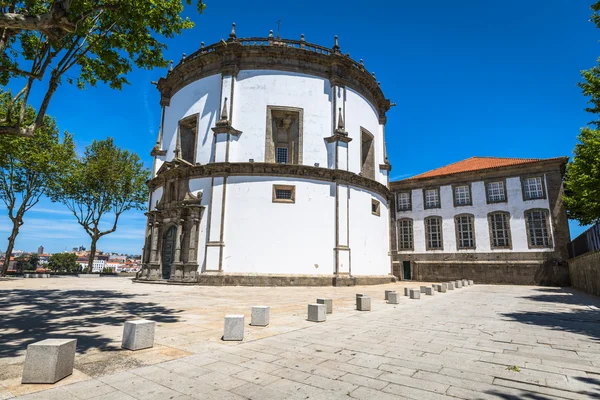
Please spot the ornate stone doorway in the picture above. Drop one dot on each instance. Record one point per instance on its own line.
(168, 252)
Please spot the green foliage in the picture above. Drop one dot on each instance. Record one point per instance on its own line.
(95, 42)
(63, 262)
(582, 177)
(108, 270)
(103, 184)
(26, 263)
(514, 368)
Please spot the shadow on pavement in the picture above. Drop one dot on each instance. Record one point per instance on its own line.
(27, 316)
(523, 395)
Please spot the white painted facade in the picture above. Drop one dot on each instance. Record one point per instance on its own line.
(330, 228)
(515, 206)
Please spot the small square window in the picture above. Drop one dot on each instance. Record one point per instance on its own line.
(432, 198)
(462, 195)
(496, 192)
(533, 188)
(284, 194)
(403, 201)
(375, 207)
(282, 155)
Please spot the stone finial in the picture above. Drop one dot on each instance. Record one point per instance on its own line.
(232, 35)
(183, 56)
(362, 64)
(224, 116)
(201, 45)
(373, 73)
(271, 33)
(336, 45)
(340, 126)
(302, 37)
(170, 65)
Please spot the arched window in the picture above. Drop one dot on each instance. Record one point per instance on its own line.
(405, 234)
(499, 223)
(433, 233)
(465, 231)
(538, 228)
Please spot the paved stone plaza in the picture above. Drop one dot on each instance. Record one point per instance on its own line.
(506, 342)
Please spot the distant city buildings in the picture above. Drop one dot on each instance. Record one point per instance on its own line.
(40, 250)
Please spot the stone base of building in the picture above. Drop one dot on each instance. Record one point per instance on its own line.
(232, 279)
(549, 273)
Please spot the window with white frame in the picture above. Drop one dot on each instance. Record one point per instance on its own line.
(433, 231)
(405, 234)
(499, 230)
(533, 188)
(465, 231)
(432, 198)
(462, 195)
(538, 231)
(403, 201)
(496, 192)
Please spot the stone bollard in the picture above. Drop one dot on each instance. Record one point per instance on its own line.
(458, 284)
(429, 291)
(406, 291)
(471, 283)
(415, 293)
(316, 312)
(234, 327)
(465, 282)
(387, 292)
(357, 296)
(138, 334)
(443, 287)
(328, 305)
(49, 361)
(450, 285)
(393, 298)
(423, 289)
(261, 316)
(364, 303)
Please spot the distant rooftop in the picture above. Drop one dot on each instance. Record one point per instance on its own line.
(477, 164)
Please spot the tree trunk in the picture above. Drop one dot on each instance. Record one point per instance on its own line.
(92, 255)
(11, 244)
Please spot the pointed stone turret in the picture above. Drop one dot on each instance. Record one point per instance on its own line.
(224, 120)
(341, 129)
(232, 35)
(336, 45)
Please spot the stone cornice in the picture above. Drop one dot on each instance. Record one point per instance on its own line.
(274, 54)
(542, 166)
(268, 169)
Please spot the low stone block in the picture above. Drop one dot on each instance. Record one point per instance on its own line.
(458, 284)
(357, 296)
(364, 303)
(387, 292)
(415, 293)
(138, 334)
(443, 287)
(406, 291)
(328, 305)
(429, 291)
(261, 316)
(316, 312)
(49, 361)
(234, 327)
(450, 285)
(423, 289)
(471, 283)
(393, 298)
(465, 282)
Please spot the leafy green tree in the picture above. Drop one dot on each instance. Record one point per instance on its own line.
(30, 168)
(95, 40)
(582, 177)
(105, 182)
(63, 262)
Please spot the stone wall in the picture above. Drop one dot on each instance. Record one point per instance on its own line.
(585, 272)
(518, 273)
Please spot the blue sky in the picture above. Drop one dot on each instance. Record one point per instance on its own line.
(469, 77)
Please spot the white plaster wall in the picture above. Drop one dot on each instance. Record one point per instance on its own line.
(279, 238)
(202, 97)
(369, 235)
(480, 209)
(360, 113)
(256, 89)
(155, 197)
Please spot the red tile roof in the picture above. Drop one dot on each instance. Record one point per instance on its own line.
(478, 163)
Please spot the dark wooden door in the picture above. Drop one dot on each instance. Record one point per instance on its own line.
(168, 252)
(406, 267)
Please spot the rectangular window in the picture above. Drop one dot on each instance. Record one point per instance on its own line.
(433, 230)
(284, 194)
(462, 195)
(375, 207)
(188, 129)
(496, 192)
(533, 188)
(367, 155)
(537, 228)
(500, 230)
(465, 232)
(403, 201)
(282, 155)
(432, 198)
(405, 234)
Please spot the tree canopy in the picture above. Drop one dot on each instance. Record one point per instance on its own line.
(582, 178)
(95, 40)
(63, 262)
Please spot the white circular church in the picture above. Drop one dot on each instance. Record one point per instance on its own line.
(270, 169)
